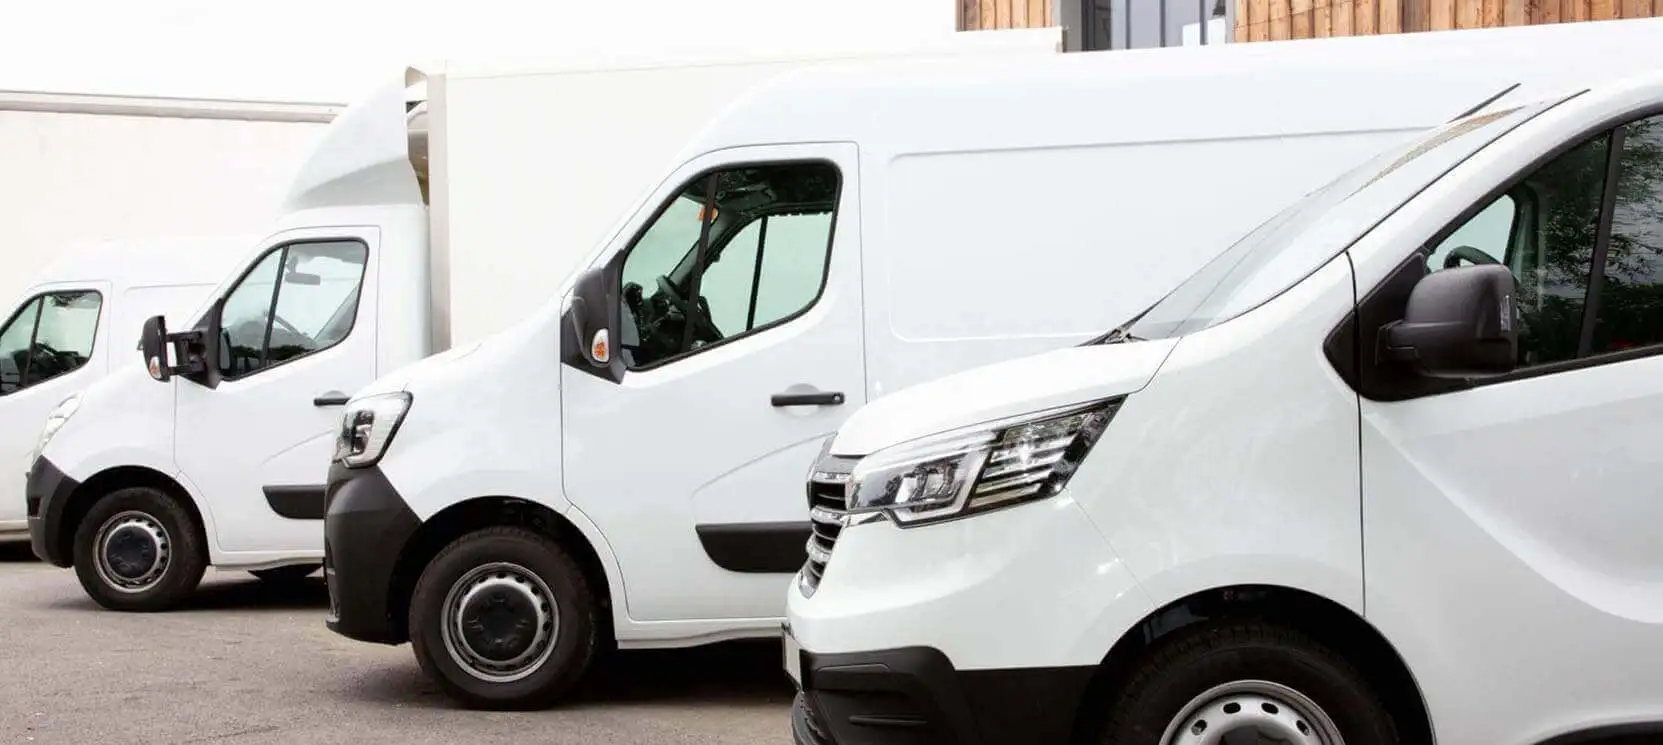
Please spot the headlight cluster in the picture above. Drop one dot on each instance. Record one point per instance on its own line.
(54, 422)
(978, 468)
(367, 426)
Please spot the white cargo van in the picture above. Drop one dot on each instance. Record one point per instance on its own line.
(1385, 471)
(623, 465)
(79, 318)
(141, 485)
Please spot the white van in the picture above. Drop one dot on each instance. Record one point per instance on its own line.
(623, 465)
(57, 337)
(142, 484)
(1384, 471)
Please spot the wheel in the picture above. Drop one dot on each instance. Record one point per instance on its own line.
(137, 550)
(503, 619)
(1245, 682)
(285, 574)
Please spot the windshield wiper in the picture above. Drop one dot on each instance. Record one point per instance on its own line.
(1119, 333)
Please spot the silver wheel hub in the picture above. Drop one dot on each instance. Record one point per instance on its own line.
(500, 622)
(132, 551)
(1252, 712)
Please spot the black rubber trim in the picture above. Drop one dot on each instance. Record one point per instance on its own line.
(913, 695)
(757, 548)
(47, 493)
(296, 502)
(365, 531)
(1636, 733)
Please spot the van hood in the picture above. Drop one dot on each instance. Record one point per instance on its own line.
(1006, 389)
(401, 378)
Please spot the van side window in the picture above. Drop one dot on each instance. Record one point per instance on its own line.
(1543, 229)
(51, 335)
(765, 232)
(298, 299)
(1629, 311)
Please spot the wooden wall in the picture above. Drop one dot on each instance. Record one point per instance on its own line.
(988, 15)
(1270, 20)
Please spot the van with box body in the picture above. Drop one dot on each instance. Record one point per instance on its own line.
(617, 468)
(77, 320)
(1384, 471)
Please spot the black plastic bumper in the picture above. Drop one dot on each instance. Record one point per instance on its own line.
(365, 528)
(48, 491)
(912, 696)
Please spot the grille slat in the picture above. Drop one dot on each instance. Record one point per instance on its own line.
(827, 490)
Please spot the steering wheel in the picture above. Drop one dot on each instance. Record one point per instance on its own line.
(1468, 253)
(289, 327)
(701, 322)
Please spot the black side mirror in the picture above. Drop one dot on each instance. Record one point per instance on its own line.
(1459, 323)
(589, 335)
(153, 342)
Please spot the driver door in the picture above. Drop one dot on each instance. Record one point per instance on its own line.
(297, 336)
(692, 460)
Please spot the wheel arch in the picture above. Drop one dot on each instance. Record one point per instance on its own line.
(462, 518)
(111, 480)
(1322, 619)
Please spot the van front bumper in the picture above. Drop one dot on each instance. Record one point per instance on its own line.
(913, 695)
(47, 492)
(365, 530)
(981, 631)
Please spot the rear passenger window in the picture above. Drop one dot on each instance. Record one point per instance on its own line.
(733, 253)
(51, 335)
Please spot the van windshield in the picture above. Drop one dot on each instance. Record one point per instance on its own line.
(1312, 231)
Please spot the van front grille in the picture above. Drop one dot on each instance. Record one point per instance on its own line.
(828, 488)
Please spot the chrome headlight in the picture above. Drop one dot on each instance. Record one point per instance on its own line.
(978, 468)
(54, 422)
(368, 426)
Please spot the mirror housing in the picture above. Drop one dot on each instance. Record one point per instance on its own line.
(1459, 323)
(185, 353)
(153, 342)
(590, 338)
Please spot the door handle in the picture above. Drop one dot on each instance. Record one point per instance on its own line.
(829, 398)
(332, 398)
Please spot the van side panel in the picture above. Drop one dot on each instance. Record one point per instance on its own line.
(1071, 247)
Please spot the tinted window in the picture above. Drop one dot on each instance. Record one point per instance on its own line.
(747, 245)
(1630, 307)
(51, 335)
(298, 299)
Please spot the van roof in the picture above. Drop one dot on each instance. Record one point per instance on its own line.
(148, 262)
(953, 102)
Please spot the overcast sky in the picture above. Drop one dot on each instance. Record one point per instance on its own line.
(333, 50)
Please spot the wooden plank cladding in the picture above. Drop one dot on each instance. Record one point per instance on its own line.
(1273, 20)
(992, 15)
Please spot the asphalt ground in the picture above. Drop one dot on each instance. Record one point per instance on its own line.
(244, 663)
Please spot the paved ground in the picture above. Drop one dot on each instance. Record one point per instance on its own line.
(242, 665)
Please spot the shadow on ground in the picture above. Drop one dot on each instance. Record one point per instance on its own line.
(16, 552)
(732, 673)
(233, 591)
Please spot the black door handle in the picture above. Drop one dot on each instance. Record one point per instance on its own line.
(831, 398)
(330, 399)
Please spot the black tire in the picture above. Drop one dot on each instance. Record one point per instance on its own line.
(1194, 661)
(155, 510)
(574, 640)
(286, 574)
